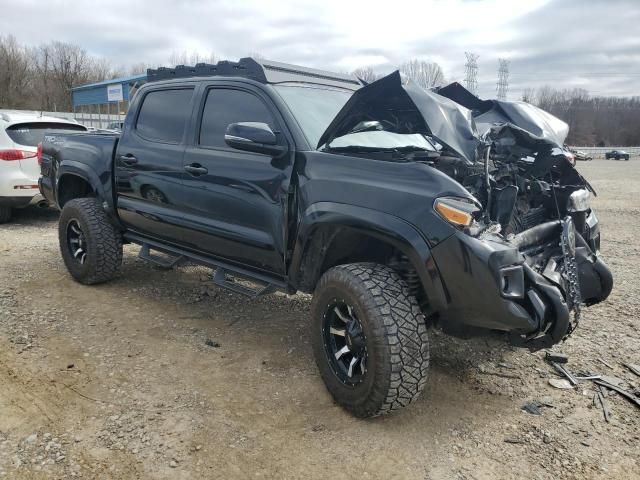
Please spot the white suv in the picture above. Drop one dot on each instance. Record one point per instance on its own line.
(20, 134)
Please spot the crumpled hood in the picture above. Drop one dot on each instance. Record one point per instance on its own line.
(408, 109)
(521, 114)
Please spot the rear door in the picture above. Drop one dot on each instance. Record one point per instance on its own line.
(148, 162)
(236, 205)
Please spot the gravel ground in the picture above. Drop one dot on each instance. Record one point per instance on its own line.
(160, 375)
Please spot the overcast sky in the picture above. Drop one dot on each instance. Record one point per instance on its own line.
(593, 44)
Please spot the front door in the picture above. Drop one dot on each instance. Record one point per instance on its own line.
(148, 163)
(234, 201)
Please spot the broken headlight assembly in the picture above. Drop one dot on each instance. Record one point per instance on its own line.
(458, 211)
(579, 201)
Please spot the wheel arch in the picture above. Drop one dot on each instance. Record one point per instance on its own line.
(332, 234)
(74, 180)
(71, 185)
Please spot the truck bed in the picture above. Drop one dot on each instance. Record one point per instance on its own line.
(85, 155)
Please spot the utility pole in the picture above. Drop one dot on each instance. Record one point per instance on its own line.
(471, 72)
(502, 87)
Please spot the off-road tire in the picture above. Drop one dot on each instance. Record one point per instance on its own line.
(103, 241)
(396, 338)
(5, 214)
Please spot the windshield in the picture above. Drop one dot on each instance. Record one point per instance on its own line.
(31, 134)
(313, 107)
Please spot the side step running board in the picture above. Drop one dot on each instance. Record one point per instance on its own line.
(220, 279)
(225, 273)
(168, 263)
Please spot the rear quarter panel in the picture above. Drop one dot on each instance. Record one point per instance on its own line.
(88, 156)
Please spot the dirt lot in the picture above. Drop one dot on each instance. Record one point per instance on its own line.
(159, 375)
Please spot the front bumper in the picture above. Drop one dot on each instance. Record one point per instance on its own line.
(491, 284)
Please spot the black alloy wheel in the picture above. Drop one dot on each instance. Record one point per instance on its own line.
(345, 342)
(76, 242)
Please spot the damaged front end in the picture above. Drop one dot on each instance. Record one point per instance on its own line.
(524, 255)
(536, 221)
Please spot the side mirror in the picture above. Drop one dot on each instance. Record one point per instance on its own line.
(254, 137)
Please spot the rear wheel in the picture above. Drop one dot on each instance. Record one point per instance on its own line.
(91, 246)
(5, 214)
(369, 339)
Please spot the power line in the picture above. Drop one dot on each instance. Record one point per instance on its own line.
(502, 87)
(471, 72)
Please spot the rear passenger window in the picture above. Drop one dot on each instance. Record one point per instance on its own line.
(164, 114)
(225, 106)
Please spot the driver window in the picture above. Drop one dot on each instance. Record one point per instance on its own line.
(225, 106)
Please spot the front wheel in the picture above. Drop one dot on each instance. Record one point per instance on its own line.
(91, 246)
(369, 339)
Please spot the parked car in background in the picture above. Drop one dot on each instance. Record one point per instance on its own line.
(115, 126)
(580, 155)
(617, 155)
(20, 134)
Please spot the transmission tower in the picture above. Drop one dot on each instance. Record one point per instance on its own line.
(502, 87)
(471, 72)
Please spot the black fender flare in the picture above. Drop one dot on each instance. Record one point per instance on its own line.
(102, 189)
(78, 169)
(383, 226)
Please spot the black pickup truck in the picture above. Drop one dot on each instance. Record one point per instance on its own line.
(400, 209)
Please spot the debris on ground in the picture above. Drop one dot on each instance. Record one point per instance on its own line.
(634, 368)
(560, 383)
(629, 396)
(535, 407)
(556, 357)
(605, 409)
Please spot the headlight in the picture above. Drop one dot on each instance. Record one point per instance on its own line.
(456, 210)
(578, 201)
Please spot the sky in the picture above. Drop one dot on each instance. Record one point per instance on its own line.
(590, 44)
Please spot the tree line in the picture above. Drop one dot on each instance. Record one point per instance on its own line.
(40, 78)
(593, 121)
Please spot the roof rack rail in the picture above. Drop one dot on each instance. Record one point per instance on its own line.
(263, 71)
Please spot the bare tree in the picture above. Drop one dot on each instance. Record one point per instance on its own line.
(190, 58)
(15, 73)
(528, 95)
(60, 67)
(425, 74)
(139, 68)
(366, 73)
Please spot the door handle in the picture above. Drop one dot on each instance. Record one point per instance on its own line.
(196, 169)
(128, 159)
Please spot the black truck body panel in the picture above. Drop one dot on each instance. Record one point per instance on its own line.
(83, 155)
(290, 217)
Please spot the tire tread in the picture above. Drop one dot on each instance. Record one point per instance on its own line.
(102, 234)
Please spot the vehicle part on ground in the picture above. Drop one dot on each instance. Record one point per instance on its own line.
(91, 246)
(369, 339)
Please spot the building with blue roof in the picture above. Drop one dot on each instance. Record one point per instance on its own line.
(103, 102)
